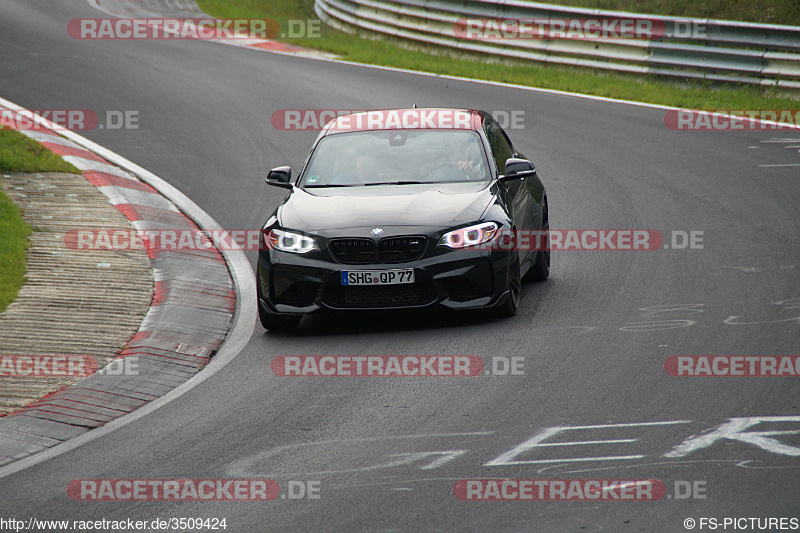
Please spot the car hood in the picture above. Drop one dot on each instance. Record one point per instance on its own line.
(439, 204)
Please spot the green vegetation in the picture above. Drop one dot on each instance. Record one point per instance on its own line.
(12, 250)
(764, 11)
(19, 154)
(396, 53)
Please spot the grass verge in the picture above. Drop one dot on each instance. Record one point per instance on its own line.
(395, 53)
(763, 11)
(15, 233)
(19, 154)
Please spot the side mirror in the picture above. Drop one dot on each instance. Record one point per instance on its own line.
(280, 177)
(517, 169)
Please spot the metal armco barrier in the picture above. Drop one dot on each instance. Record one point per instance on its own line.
(739, 52)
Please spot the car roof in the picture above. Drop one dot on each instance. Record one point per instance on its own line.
(412, 118)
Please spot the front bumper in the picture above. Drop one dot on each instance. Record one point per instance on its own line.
(458, 279)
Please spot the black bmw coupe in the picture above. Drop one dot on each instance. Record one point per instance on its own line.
(398, 209)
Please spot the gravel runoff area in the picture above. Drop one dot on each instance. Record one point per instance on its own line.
(74, 302)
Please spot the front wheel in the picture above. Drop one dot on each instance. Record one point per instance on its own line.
(540, 270)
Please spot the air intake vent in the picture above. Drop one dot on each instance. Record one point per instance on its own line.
(378, 296)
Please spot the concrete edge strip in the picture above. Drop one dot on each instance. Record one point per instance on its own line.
(242, 279)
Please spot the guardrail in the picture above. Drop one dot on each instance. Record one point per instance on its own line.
(727, 51)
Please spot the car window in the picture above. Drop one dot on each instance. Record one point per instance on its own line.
(500, 145)
(396, 157)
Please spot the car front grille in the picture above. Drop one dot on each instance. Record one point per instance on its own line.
(353, 251)
(378, 296)
(390, 250)
(400, 249)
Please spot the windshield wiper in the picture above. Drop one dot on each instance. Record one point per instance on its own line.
(407, 182)
(329, 185)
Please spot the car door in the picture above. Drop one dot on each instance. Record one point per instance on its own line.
(519, 200)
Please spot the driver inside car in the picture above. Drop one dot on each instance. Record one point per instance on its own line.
(360, 168)
(466, 156)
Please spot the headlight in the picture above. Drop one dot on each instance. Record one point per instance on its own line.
(287, 241)
(469, 236)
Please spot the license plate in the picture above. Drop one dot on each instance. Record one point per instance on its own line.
(377, 277)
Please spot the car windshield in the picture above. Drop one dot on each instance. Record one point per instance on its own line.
(396, 157)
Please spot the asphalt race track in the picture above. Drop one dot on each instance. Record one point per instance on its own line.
(386, 452)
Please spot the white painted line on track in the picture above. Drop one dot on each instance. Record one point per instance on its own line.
(246, 466)
(509, 458)
(537, 89)
(742, 463)
(630, 425)
(583, 442)
(574, 460)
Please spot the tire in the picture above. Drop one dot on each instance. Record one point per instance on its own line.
(510, 306)
(275, 322)
(540, 270)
